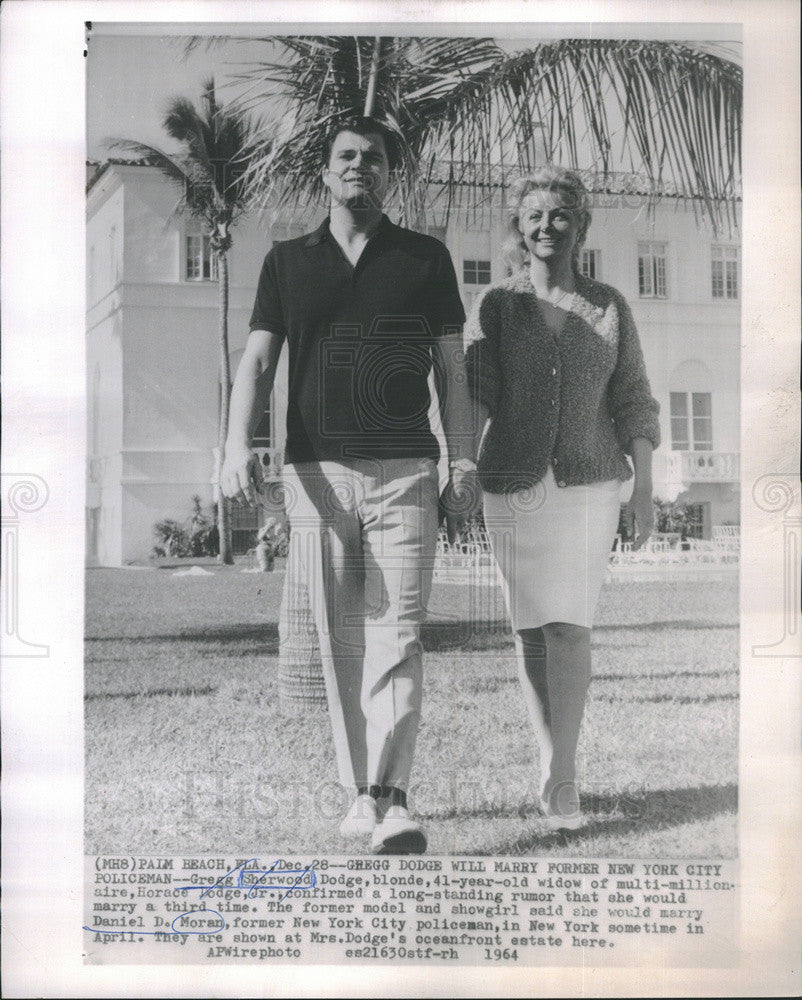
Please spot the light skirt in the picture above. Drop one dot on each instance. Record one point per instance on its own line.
(552, 545)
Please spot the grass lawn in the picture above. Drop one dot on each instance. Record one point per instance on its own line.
(187, 750)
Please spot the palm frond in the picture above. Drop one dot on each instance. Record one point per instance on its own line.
(178, 171)
(187, 45)
(154, 157)
(669, 111)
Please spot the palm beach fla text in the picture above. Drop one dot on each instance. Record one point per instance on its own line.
(407, 910)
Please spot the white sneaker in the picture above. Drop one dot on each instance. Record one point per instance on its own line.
(360, 819)
(398, 833)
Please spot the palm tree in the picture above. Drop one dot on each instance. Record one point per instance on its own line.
(210, 174)
(466, 112)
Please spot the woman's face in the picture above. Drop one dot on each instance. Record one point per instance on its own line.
(549, 224)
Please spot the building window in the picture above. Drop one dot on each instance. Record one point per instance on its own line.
(201, 262)
(476, 272)
(725, 272)
(652, 271)
(691, 421)
(589, 264)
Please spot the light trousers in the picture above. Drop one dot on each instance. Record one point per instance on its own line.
(365, 533)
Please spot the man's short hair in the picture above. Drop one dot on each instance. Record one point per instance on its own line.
(362, 125)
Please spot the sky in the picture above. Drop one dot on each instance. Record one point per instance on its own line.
(130, 79)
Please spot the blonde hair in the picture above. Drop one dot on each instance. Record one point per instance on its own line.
(549, 178)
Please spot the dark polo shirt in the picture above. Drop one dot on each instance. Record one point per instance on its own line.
(359, 340)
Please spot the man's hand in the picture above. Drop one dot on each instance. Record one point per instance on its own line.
(462, 499)
(640, 509)
(241, 473)
(241, 476)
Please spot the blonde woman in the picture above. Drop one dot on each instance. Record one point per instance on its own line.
(557, 373)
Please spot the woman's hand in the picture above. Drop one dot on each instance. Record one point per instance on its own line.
(640, 514)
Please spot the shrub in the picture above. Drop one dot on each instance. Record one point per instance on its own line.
(198, 536)
(204, 539)
(172, 538)
(668, 517)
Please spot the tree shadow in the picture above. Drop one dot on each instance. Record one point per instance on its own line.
(464, 635)
(676, 699)
(263, 635)
(656, 809)
(436, 636)
(169, 692)
(487, 685)
(686, 624)
(669, 675)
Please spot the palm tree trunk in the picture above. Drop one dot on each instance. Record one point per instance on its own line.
(370, 97)
(223, 519)
(300, 669)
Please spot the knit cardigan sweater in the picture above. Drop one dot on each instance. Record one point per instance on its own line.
(574, 401)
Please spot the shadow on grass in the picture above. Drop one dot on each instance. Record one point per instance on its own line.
(264, 636)
(493, 683)
(666, 674)
(649, 810)
(443, 637)
(184, 692)
(685, 624)
(437, 637)
(682, 699)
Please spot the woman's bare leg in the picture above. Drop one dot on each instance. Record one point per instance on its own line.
(530, 649)
(554, 671)
(568, 679)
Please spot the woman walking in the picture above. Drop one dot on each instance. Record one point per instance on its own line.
(556, 367)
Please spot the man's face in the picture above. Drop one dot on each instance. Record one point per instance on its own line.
(358, 172)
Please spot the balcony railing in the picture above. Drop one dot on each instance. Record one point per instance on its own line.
(704, 466)
(470, 560)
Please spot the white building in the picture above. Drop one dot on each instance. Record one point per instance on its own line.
(152, 347)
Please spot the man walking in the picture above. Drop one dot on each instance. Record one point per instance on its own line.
(366, 308)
